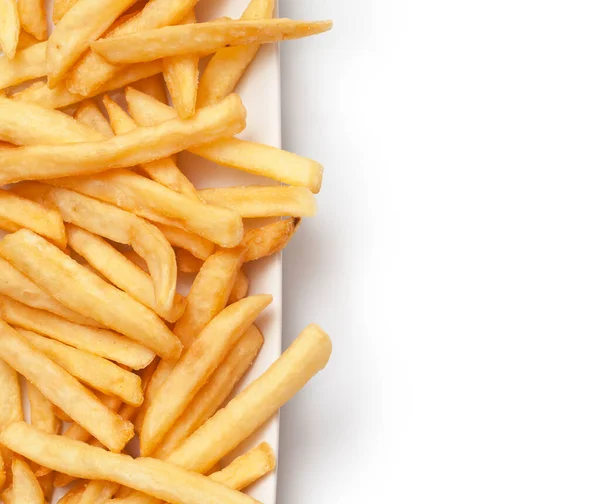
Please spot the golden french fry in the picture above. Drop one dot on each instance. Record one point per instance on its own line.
(60, 96)
(214, 393)
(47, 485)
(153, 86)
(256, 403)
(98, 491)
(79, 289)
(100, 374)
(247, 468)
(89, 114)
(154, 477)
(263, 201)
(26, 40)
(2, 470)
(83, 23)
(195, 367)
(187, 262)
(227, 65)
(196, 245)
(181, 76)
(25, 488)
(11, 410)
(24, 213)
(240, 287)
(250, 157)
(101, 342)
(269, 239)
(27, 64)
(42, 411)
(139, 146)
(32, 14)
(60, 388)
(60, 8)
(10, 26)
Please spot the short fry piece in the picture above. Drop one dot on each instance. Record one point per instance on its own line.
(42, 411)
(60, 8)
(98, 491)
(27, 64)
(240, 287)
(154, 477)
(89, 114)
(63, 390)
(153, 86)
(247, 468)
(2, 470)
(187, 262)
(81, 290)
(25, 488)
(196, 245)
(10, 26)
(32, 14)
(269, 239)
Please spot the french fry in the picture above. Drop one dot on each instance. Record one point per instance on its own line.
(47, 486)
(153, 86)
(250, 157)
(139, 146)
(89, 114)
(263, 201)
(227, 65)
(42, 411)
(32, 14)
(11, 410)
(187, 262)
(100, 342)
(240, 287)
(77, 288)
(25, 488)
(27, 64)
(2, 470)
(269, 239)
(26, 40)
(60, 8)
(98, 491)
(96, 372)
(256, 403)
(247, 468)
(60, 388)
(196, 245)
(214, 393)
(195, 367)
(74, 494)
(24, 213)
(10, 26)
(154, 477)
(181, 76)
(202, 38)
(84, 22)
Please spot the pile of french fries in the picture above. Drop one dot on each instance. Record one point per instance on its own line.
(100, 224)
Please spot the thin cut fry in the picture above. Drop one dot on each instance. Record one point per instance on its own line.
(181, 75)
(81, 290)
(212, 395)
(89, 114)
(256, 403)
(10, 409)
(98, 491)
(187, 262)
(25, 488)
(10, 26)
(247, 468)
(269, 239)
(83, 23)
(195, 367)
(250, 157)
(100, 374)
(32, 14)
(196, 245)
(154, 477)
(63, 390)
(153, 86)
(27, 64)
(227, 66)
(101, 342)
(139, 146)
(60, 8)
(240, 287)
(42, 411)
(263, 201)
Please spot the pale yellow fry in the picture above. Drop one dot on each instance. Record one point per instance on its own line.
(263, 201)
(60, 388)
(164, 171)
(10, 26)
(181, 76)
(79, 289)
(256, 403)
(186, 262)
(16, 285)
(42, 411)
(60, 8)
(83, 23)
(247, 468)
(60, 96)
(250, 157)
(24, 123)
(93, 70)
(100, 374)
(25, 488)
(196, 245)
(154, 477)
(226, 67)
(202, 38)
(195, 367)
(27, 64)
(153, 86)
(101, 342)
(89, 114)
(98, 491)
(214, 393)
(269, 239)
(32, 14)
(31, 215)
(240, 287)
(139, 146)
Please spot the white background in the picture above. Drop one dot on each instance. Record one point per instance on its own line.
(456, 257)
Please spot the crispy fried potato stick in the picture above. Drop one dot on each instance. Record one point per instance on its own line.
(154, 477)
(195, 367)
(153, 86)
(139, 146)
(194, 244)
(32, 14)
(89, 114)
(240, 287)
(100, 374)
(256, 403)
(98, 491)
(74, 494)
(187, 262)
(269, 239)
(42, 411)
(47, 486)
(214, 393)
(227, 66)
(27, 64)
(263, 201)
(83, 23)
(181, 76)
(60, 8)
(2, 469)
(101, 342)
(63, 390)
(250, 157)
(25, 488)
(26, 40)
(10, 410)
(247, 468)
(81, 290)
(10, 26)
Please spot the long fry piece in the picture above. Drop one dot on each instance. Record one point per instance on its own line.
(196, 245)
(32, 14)
(10, 26)
(27, 64)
